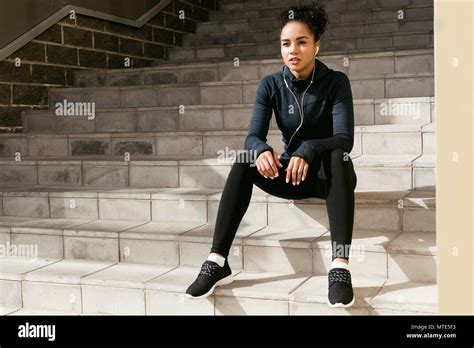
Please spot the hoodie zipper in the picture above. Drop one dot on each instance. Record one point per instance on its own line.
(300, 107)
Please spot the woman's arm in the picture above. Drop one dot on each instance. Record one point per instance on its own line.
(258, 129)
(343, 125)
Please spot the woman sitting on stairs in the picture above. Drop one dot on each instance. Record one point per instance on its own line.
(314, 110)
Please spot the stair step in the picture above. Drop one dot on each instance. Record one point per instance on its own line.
(86, 287)
(416, 39)
(229, 117)
(338, 12)
(267, 29)
(368, 140)
(329, 4)
(233, 92)
(27, 207)
(392, 172)
(239, 32)
(389, 62)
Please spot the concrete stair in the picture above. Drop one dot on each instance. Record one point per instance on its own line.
(89, 261)
(359, 64)
(338, 11)
(362, 26)
(76, 287)
(121, 208)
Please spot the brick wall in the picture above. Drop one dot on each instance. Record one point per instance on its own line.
(88, 43)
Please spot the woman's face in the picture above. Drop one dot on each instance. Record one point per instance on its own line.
(297, 42)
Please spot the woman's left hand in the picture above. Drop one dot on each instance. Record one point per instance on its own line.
(297, 170)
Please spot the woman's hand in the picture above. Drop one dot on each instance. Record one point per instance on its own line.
(267, 164)
(297, 170)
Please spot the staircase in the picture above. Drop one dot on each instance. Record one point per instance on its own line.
(121, 207)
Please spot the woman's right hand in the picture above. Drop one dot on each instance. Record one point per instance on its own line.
(267, 164)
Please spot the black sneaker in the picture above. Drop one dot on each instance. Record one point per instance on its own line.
(210, 276)
(340, 288)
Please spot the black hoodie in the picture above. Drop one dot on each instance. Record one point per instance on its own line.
(327, 122)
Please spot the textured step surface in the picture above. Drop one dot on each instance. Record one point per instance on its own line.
(338, 12)
(390, 211)
(368, 140)
(393, 233)
(86, 287)
(399, 172)
(233, 92)
(352, 64)
(403, 111)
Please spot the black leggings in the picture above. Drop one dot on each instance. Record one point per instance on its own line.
(337, 188)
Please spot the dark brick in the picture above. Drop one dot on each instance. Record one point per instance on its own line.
(91, 23)
(200, 14)
(53, 34)
(89, 147)
(163, 36)
(190, 11)
(177, 6)
(116, 62)
(131, 46)
(178, 39)
(32, 51)
(133, 147)
(144, 33)
(77, 37)
(159, 19)
(48, 74)
(160, 78)
(11, 116)
(92, 59)
(30, 95)
(106, 42)
(117, 28)
(5, 94)
(61, 55)
(169, 8)
(173, 22)
(209, 4)
(141, 63)
(154, 51)
(68, 20)
(70, 77)
(9, 72)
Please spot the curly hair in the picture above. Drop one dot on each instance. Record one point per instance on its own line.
(313, 15)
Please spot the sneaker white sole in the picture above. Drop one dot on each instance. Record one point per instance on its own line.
(224, 281)
(342, 305)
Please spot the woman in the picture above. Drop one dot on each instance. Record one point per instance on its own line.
(314, 110)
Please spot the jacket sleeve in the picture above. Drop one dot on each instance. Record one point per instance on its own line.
(256, 139)
(343, 125)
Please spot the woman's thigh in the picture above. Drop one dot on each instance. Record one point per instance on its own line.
(312, 186)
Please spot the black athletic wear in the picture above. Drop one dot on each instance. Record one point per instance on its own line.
(210, 276)
(328, 121)
(340, 293)
(337, 188)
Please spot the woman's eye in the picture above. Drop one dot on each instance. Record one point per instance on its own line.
(302, 42)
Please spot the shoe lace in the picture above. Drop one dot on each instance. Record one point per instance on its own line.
(339, 275)
(208, 268)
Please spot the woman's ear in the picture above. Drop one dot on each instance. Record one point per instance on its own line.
(317, 46)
